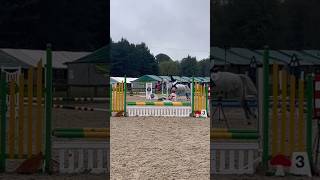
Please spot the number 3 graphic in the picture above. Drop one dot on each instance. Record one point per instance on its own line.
(300, 161)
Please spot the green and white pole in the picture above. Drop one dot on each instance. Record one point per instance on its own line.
(192, 97)
(125, 96)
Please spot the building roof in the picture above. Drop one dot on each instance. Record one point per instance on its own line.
(243, 56)
(98, 56)
(221, 55)
(313, 53)
(7, 60)
(303, 58)
(276, 56)
(249, 54)
(32, 57)
(148, 78)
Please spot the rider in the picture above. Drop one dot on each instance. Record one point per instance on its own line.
(172, 96)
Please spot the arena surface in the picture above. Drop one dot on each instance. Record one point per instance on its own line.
(151, 147)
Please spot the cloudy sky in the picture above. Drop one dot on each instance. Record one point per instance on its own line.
(174, 27)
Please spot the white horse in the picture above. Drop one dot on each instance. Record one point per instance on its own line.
(180, 88)
(237, 86)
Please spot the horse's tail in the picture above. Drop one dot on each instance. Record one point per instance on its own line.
(250, 88)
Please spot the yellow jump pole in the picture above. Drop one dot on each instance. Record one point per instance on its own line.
(117, 97)
(21, 116)
(198, 96)
(39, 117)
(195, 97)
(301, 114)
(203, 95)
(292, 113)
(12, 118)
(122, 97)
(30, 102)
(275, 86)
(283, 111)
(113, 99)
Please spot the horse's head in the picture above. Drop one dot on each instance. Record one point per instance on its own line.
(172, 80)
(214, 73)
(215, 69)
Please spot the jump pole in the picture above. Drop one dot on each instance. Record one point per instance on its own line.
(192, 96)
(81, 129)
(309, 117)
(229, 135)
(234, 130)
(110, 101)
(265, 106)
(48, 108)
(3, 122)
(207, 98)
(125, 96)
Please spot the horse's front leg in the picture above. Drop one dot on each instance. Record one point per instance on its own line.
(246, 110)
(187, 95)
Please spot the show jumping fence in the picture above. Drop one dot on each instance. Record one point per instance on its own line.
(22, 138)
(119, 103)
(26, 118)
(290, 128)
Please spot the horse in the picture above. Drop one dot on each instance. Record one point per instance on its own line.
(238, 86)
(179, 88)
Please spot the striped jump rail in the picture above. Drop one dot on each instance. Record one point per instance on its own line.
(234, 103)
(231, 135)
(79, 108)
(251, 103)
(83, 129)
(76, 99)
(82, 133)
(234, 130)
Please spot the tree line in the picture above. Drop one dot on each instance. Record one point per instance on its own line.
(135, 60)
(281, 24)
(73, 25)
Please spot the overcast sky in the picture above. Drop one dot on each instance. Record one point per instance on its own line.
(174, 27)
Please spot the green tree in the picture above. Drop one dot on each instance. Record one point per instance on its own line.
(132, 60)
(189, 66)
(204, 67)
(77, 25)
(167, 68)
(162, 57)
